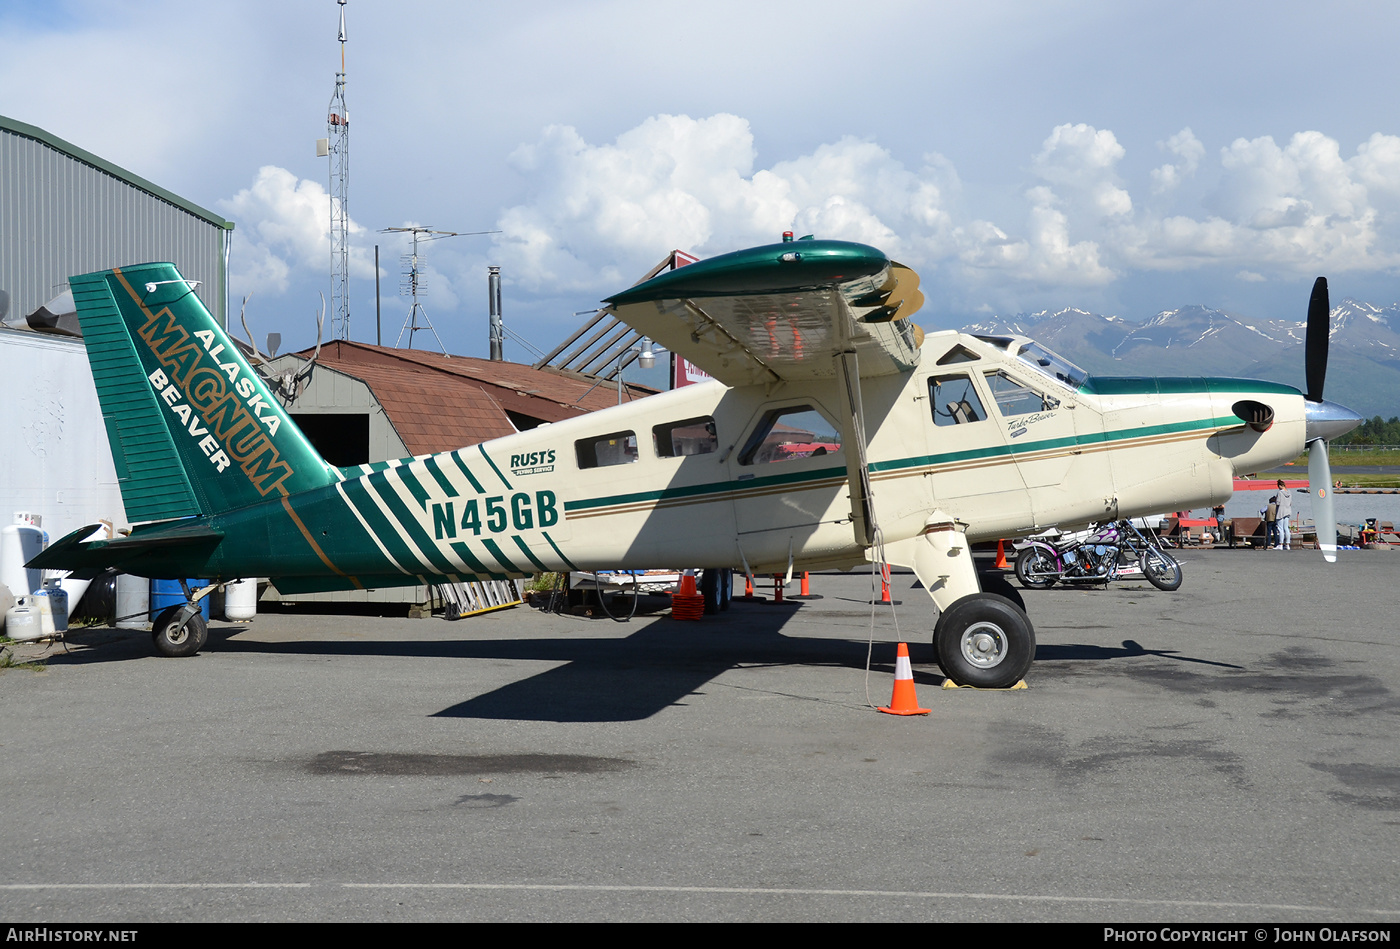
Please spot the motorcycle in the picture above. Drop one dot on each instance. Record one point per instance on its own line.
(1097, 555)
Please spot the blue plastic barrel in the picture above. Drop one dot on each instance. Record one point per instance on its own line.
(168, 593)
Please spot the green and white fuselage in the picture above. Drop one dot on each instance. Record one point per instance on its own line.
(834, 428)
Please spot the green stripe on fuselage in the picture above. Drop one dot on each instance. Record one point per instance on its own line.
(461, 465)
(357, 492)
(496, 552)
(469, 558)
(567, 562)
(718, 489)
(433, 469)
(697, 490)
(428, 549)
(1027, 448)
(519, 542)
(1177, 385)
(493, 467)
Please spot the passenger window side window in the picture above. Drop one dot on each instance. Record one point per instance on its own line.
(798, 431)
(694, 436)
(1012, 398)
(955, 400)
(619, 448)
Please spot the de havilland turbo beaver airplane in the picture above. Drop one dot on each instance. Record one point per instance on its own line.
(835, 433)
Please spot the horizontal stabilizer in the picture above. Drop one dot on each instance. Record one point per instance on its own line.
(133, 554)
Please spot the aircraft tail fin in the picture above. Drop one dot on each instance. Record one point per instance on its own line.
(193, 429)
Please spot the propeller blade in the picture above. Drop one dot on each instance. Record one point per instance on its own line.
(1320, 484)
(1315, 347)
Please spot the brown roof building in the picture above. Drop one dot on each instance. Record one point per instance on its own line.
(359, 403)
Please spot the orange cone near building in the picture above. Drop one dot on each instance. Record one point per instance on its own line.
(904, 701)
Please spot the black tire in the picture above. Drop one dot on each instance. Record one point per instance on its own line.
(1160, 569)
(1035, 569)
(998, 584)
(983, 640)
(185, 642)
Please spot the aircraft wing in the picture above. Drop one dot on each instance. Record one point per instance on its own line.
(782, 312)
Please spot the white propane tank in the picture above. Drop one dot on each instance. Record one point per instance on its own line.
(58, 603)
(7, 600)
(22, 622)
(133, 602)
(241, 600)
(20, 543)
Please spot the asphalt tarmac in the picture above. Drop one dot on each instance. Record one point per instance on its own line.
(1224, 753)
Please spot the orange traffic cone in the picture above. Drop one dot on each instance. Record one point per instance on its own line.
(904, 701)
(885, 587)
(687, 604)
(806, 593)
(1001, 555)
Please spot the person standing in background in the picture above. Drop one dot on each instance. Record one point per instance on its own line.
(1285, 511)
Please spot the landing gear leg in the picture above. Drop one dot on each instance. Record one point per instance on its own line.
(982, 639)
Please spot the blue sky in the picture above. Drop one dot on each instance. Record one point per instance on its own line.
(1124, 158)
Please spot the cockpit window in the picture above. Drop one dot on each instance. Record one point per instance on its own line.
(1053, 365)
(1012, 398)
(954, 400)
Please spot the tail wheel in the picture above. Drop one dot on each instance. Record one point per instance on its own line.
(1161, 569)
(177, 640)
(1035, 569)
(983, 640)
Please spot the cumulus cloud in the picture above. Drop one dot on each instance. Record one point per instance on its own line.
(1185, 146)
(598, 215)
(1081, 160)
(679, 182)
(283, 227)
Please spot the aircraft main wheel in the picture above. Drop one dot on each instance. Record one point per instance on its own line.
(1161, 569)
(983, 640)
(185, 641)
(1035, 569)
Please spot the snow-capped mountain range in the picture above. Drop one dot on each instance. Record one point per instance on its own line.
(1363, 368)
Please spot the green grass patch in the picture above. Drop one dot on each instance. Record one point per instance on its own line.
(1335, 458)
(9, 661)
(1368, 481)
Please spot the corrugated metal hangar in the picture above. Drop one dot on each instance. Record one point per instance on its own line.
(65, 211)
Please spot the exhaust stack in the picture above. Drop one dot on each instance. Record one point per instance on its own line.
(493, 293)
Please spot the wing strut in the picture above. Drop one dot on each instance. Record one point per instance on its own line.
(857, 468)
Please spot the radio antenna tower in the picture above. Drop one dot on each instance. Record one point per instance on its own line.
(338, 129)
(411, 280)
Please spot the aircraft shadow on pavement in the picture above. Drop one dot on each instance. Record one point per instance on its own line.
(1131, 649)
(600, 679)
(627, 679)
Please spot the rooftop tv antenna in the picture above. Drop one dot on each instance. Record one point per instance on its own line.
(338, 149)
(411, 279)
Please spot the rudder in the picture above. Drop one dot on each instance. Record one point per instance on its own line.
(193, 429)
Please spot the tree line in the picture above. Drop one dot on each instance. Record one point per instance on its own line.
(1374, 431)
